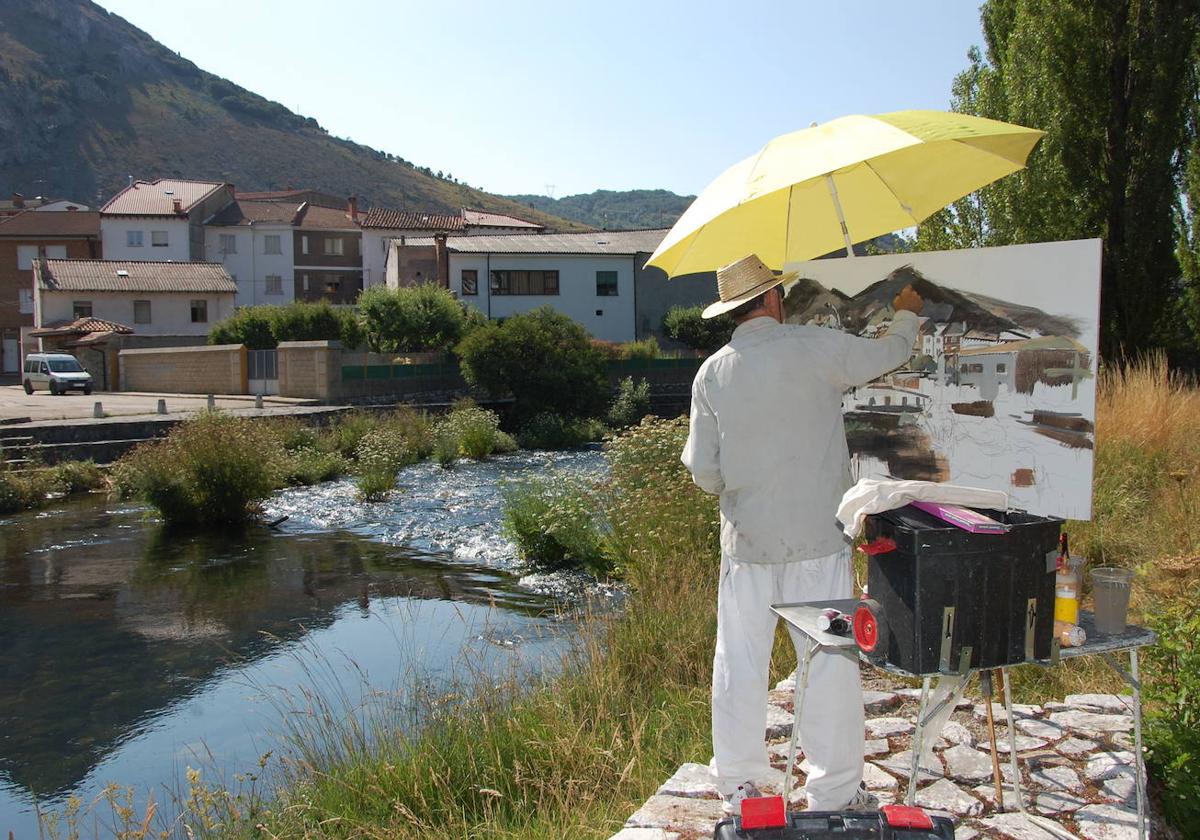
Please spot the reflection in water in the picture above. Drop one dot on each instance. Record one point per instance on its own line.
(126, 648)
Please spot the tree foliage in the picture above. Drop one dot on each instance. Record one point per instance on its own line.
(412, 319)
(543, 359)
(263, 327)
(1111, 82)
(687, 325)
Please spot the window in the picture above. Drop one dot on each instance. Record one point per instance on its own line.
(228, 244)
(332, 284)
(274, 284)
(141, 312)
(606, 283)
(199, 312)
(524, 282)
(304, 281)
(1001, 367)
(26, 254)
(25, 298)
(133, 239)
(303, 244)
(81, 309)
(158, 239)
(333, 246)
(470, 281)
(271, 244)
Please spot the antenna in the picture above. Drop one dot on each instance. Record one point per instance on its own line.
(550, 190)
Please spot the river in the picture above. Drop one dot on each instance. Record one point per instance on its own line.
(129, 653)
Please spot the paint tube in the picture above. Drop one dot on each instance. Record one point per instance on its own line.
(834, 621)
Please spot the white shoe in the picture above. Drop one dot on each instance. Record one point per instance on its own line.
(733, 802)
(863, 800)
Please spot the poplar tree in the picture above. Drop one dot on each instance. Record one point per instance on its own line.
(1112, 82)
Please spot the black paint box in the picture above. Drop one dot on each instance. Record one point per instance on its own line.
(942, 589)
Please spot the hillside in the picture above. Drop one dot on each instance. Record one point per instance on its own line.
(612, 210)
(87, 99)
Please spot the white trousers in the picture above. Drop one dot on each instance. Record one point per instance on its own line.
(831, 731)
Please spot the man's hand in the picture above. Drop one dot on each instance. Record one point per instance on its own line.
(908, 299)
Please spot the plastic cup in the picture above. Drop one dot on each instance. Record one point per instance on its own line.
(1110, 586)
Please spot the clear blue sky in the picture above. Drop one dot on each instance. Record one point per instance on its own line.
(513, 96)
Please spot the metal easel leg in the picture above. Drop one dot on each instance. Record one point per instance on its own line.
(1139, 763)
(918, 737)
(797, 709)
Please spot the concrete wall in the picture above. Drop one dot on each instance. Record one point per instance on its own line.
(113, 238)
(311, 369)
(656, 295)
(216, 369)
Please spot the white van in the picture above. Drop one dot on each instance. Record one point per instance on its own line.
(56, 372)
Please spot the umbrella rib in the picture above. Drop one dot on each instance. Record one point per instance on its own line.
(904, 205)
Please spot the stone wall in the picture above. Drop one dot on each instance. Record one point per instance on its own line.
(311, 369)
(218, 369)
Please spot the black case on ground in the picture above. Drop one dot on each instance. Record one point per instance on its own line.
(835, 825)
(987, 579)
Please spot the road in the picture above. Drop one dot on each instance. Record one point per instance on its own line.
(16, 405)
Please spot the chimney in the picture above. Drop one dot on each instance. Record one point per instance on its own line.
(442, 253)
(18, 200)
(177, 206)
(352, 208)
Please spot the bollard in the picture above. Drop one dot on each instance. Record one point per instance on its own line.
(162, 406)
(98, 410)
(258, 400)
(212, 402)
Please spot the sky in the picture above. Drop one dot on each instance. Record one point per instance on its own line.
(558, 98)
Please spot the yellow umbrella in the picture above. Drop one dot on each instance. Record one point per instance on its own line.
(814, 191)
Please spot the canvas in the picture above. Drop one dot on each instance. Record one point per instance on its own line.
(1000, 391)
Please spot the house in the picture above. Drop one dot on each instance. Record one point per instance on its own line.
(254, 241)
(327, 253)
(19, 204)
(170, 300)
(161, 220)
(24, 238)
(592, 277)
(380, 225)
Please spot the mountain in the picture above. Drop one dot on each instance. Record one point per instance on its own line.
(613, 210)
(941, 303)
(87, 100)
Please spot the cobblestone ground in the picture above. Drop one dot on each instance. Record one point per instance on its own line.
(1075, 757)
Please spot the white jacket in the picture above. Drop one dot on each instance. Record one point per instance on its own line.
(767, 435)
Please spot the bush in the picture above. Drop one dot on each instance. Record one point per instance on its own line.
(381, 454)
(631, 404)
(554, 524)
(543, 359)
(211, 470)
(551, 431)
(293, 434)
(263, 327)
(472, 432)
(306, 465)
(347, 432)
(412, 319)
(647, 348)
(23, 490)
(685, 325)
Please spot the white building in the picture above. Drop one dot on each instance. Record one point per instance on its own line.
(587, 276)
(154, 298)
(161, 220)
(253, 240)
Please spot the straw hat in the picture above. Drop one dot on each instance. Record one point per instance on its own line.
(740, 281)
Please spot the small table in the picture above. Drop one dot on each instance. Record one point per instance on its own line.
(950, 686)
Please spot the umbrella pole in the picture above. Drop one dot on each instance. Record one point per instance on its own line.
(837, 205)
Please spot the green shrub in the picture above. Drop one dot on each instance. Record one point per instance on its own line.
(543, 359)
(551, 431)
(631, 404)
(293, 434)
(445, 450)
(554, 524)
(263, 327)
(347, 432)
(213, 469)
(23, 490)
(647, 348)
(381, 454)
(308, 465)
(475, 431)
(1172, 695)
(415, 427)
(685, 325)
(77, 476)
(411, 319)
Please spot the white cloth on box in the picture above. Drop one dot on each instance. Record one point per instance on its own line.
(831, 731)
(875, 495)
(766, 432)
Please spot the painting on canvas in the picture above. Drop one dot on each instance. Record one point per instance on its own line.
(1000, 389)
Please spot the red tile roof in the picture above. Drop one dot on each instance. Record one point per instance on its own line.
(317, 197)
(156, 198)
(245, 212)
(33, 223)
(312, 216)
(381, 217)
(82, 326)
(482, 218)
(131, 276)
